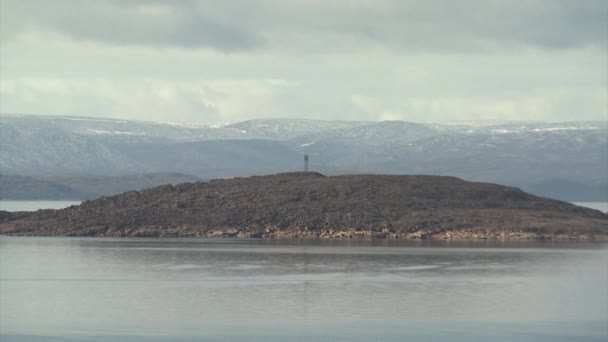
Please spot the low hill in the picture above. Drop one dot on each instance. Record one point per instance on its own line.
(310, 205)
(81, 187)
(27, 188)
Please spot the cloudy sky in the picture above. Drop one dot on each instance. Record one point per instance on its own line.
(209, 61)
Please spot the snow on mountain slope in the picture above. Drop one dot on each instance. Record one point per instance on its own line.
(40, 150)
(142, 131)
(499, 127)
(120, 130)
(522, 155)
(515, 153)
(372, 134)
(282, 129)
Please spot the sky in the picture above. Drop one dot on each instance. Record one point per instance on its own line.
(228, 61)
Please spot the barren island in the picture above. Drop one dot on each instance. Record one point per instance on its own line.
(310, 205)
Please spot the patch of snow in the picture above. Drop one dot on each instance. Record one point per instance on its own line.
(551, 129)
(98, 131)
(198, 125)
(129, 133)
(485, 123)
(85, 119)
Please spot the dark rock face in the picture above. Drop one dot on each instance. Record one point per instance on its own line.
(310, 205)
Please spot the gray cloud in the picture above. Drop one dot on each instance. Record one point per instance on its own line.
(446, 25)
(145, 23)
(441, 25)
(342, 59)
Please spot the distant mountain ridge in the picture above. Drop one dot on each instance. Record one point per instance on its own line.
(82, 187)
(566, 160)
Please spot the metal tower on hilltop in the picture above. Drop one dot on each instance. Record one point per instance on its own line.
(306, 163)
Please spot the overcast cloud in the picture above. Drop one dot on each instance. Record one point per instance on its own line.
(193, 61)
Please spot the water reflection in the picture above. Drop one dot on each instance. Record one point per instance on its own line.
(214, 288)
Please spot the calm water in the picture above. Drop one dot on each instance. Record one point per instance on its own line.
(601, 206)
(72, 289)
(35, 205)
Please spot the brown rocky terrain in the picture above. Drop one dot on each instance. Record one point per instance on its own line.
(310, 205)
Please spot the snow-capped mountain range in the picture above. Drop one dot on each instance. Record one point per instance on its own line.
(566, 160)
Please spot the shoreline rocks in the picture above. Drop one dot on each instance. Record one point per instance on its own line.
(351, 234)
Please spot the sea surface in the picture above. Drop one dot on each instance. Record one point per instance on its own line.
(601, 206)
(106, 289)
(35, 205)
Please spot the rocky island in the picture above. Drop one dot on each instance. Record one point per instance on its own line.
(311, 205)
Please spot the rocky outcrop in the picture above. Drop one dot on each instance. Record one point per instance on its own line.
(310, 205)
